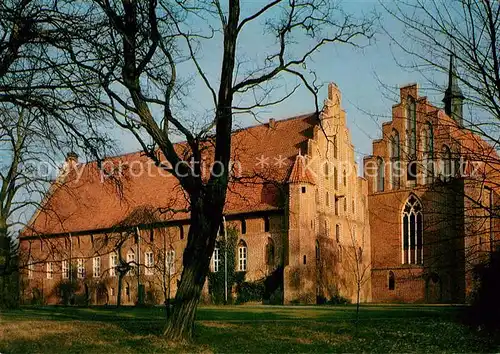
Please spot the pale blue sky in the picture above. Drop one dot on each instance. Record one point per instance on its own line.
(358, 73)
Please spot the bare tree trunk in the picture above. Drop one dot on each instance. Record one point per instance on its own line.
(196, 258)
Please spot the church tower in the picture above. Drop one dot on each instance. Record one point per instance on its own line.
(453, 97)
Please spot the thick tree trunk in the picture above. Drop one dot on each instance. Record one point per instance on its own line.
(196, 259)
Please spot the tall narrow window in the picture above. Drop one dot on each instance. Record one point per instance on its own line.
(335, 178)
(326, 170)
(80, 268)
(391, 281)
(447, 163)
(345, 178)
(337, 232)
(412, 234)
(216, 258)
(318, 254)
(65, 269)
(242, 256)
(380, 174)
(113, 262)
(335, 147)
(96, 266)
(31, 269)
(427, 153)
(327, 199)
(50, 270)
(151, 235)
(270, 252)
(131, 263)
(170, 262)
(149, 263)
(395, 160)
(243, 226)
(336, 206)
(267, 226)
(411, 127)
(181, 232)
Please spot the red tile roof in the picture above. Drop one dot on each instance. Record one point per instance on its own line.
(300, 172)
(87, 200)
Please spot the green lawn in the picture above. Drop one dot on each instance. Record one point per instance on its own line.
(249, 329)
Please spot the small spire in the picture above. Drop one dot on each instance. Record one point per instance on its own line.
(453, 97)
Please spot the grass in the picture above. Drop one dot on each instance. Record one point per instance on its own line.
(243, 329)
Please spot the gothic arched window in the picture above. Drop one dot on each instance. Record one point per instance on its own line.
(447, 163)
(395, 160)
(412, 233)
(380, 174)
(428, 153)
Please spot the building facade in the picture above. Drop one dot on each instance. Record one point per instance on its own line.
(295, 202)
(432, 188)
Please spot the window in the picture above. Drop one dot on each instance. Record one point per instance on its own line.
(345, 178)
(92, 240)
(336, 206)
(412, 233)
(395, 159)
(112, 292)
(318, 255)
(327, 199)
(411, 126)
(337, 232)
(380, 174)
(216, 259)
(80, 268)
(353, 207)
(65, 269)
(303, 189)
(242, 256)
(391, 280)
(345, 205)
(181, 232)
(50, 270)
(428, 153)
(149, 262)
(270, 252)
(447, 163)
(170, 262)
(326, 170)
(113, 262)
(335, 178)
(96, 266)
(151, 235)
(335, 146)
(131, 263)
(266, 224)
(305, 259)
(31, 269)
(243, 226)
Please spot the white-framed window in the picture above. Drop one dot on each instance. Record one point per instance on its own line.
(216, 259)
(65, 269)
(149, 262)
(412, 233)
(242, 256)
(80, 268)
(50, 270)
(113, 262)
(31, 269)
(170, 262)
(96, 266)
(131, 263)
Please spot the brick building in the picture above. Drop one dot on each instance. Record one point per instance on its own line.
(295, 200)
(433, 187)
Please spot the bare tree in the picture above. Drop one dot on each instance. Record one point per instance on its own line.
(139, 56)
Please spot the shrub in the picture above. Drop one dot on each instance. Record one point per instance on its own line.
(250, 291)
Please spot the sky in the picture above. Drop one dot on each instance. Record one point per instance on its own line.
(363, 76)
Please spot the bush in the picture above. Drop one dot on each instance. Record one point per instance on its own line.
(250, 291)
(485, 307)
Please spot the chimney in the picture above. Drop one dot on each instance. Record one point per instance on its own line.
(272, 123)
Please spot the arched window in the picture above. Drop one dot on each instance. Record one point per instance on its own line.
(270, 252)
(242, 256)
(411, 127)
(131, 262)
(391, 280)
(412, 233)
(170, 261)
(216, 258)
(337, 232)
(335, 178)
(395, 160)
(428, 153)
(318, 254)
(380, 174)
(327, 199)
(447, 163)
